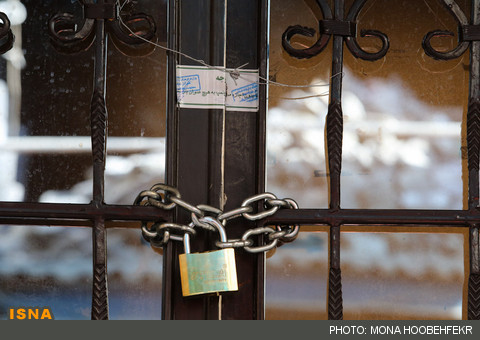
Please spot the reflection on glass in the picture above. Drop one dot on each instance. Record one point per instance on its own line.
(52, 266)
(402, 276)
(296, 116)
(46, 267)
(402, 114)
(402, 148)
(297, 277)
(135, 277)
(384, 276)
(45, 111)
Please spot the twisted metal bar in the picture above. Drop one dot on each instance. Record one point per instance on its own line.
(474, 297)
(100, 286)
(338, 26)
(6, 36)
(335, 299)
(344, 29)
(473, 150)
(101, 18)
(469, 36)
(334, 128)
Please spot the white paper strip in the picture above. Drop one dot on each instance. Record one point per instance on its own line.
(242, 93)
(207, 88)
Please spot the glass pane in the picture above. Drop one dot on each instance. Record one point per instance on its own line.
(135, 277)
(297, 277)
(45, 111)
(385, 276)
(403, 133)
(403, 114)
(402, 276)
(296, 116)
(46, 267)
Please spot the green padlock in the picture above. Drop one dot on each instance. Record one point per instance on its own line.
(208, 272)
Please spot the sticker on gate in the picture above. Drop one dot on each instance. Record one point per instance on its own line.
(204, 87)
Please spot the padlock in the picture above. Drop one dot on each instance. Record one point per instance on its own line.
(208, 272)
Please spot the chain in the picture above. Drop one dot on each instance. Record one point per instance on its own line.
(166, 197)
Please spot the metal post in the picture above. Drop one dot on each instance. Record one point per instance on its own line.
(334, 131)
(218, 155)
(99, 125)
(473, 150)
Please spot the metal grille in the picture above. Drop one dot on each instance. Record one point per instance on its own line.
(341, 25)
(101, 19)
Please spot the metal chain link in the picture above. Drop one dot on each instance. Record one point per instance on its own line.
(167, 197)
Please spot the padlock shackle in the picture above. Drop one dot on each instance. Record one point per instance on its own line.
(186, 243)
(186, 239)
(210, 221)
(215, 223)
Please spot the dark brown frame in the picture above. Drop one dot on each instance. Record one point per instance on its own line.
(202, 143)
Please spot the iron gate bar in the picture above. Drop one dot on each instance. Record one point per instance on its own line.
(40, 213)
(473, 150)
(68, 212)
(101, 214)
(439, 218)
(334, 139)
(334, 132)
(192, 130)
(171, 166)
(468, 35)
(66, 38)
(247, 27)
(216, 135)
(343, 29)
(99, 125)
(200, 135)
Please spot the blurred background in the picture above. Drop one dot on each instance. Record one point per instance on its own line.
(402, 148)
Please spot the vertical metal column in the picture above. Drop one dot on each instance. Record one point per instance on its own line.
(343, 28)
(473, 149)
(67, 36)
(196, 137)
(99, 125)
(334, 132)
(218, 156)
(469, 34)
(247, 43)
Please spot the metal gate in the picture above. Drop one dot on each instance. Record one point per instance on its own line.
(217, 157)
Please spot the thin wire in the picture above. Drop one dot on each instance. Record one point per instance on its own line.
(435, 14)
(235, 73)
(365, 11)
(305, 97)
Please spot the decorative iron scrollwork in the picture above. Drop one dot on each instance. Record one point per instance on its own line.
(467, 33)
(6, 36)
(69, 37)
(346, 27)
